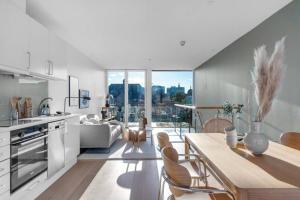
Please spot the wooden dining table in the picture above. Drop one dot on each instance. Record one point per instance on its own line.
(275, 175)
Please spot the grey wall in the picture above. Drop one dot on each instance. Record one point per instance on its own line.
(226, 76)
(10, 87)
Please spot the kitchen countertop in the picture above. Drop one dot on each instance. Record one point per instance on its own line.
(42, 120)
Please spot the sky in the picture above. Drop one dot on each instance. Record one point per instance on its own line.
(173, 78)
(163, 78)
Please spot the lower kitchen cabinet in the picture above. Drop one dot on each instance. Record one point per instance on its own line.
(4, 185)
(72, 139)
(31, 189)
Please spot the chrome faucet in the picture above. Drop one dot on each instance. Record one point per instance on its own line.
(41, 103)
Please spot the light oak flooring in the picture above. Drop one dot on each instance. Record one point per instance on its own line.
(107, 180)
(99, 179)
(110, 180)
(73, 183)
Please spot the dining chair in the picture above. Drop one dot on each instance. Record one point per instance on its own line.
(180, 181)
(163, 140)
(216, 125)
(291, 139)
(191, 161)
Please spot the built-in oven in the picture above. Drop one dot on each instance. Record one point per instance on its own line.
(29, 154)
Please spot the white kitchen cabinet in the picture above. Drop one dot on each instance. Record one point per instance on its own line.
(57, 57)
(4, 184)
(72, 139)
(13, 36)
(38, 48)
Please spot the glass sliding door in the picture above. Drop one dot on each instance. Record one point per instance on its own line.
(136, 96)
(116, 90)
(169, 88)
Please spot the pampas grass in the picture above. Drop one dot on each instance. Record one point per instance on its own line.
(266, 76)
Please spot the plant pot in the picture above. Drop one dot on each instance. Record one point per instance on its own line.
(231, 136)
(255, 141)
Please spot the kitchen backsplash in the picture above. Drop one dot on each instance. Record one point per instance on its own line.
(23, 87)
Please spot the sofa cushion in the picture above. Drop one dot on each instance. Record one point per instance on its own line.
(115, 131)
(93, 116)
(87, 123)
(94, 121)
(83, 118)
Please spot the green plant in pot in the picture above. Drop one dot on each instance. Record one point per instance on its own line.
(266, 77)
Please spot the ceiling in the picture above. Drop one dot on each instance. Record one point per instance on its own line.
(136, 34)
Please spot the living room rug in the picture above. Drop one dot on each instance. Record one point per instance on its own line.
(124, 150)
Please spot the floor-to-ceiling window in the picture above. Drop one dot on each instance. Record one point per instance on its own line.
(169, 88)
(136, 96)
(127, 91)
(116, 89)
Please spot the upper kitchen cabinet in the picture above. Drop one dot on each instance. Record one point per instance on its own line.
(38, 49)
(57, 57)
(13, 37)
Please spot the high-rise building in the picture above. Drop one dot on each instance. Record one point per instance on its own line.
(171, 91)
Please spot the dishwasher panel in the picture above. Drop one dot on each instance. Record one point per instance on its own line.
(56, 147)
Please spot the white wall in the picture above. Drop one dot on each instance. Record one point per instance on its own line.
(91, 77)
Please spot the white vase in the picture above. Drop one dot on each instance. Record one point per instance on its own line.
(255, 141)
(231, 136)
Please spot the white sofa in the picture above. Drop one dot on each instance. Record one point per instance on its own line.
(96, 134)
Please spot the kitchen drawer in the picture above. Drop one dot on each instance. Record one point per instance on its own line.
(30, 189)
(4, 152)
(4, 184)
(33, 184)
(5, 195)
(4, 139)
(4, 167)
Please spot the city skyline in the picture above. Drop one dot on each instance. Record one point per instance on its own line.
(162, 78)
(165, 88)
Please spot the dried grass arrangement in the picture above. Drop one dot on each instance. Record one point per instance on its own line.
(266, 76)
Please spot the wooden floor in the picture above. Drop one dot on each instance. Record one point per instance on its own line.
(107, 180)
(73, 184)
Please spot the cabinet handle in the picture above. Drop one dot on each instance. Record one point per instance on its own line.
(51, 68)
(29, 59)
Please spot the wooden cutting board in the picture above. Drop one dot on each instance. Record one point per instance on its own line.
(27, 107)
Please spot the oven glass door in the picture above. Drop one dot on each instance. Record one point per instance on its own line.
(28, 160)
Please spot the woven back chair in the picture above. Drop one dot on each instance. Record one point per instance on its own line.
(177, 173)
(180, 180)
(163, 140)
(216, 125)
(291, 139)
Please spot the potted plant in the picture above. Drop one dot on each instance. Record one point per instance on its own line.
(266, 77)
(231, 133)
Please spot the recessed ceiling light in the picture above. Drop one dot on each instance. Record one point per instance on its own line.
(182, 43)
